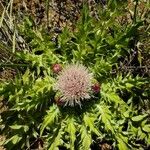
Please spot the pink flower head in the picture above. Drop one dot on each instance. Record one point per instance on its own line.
(74, 84)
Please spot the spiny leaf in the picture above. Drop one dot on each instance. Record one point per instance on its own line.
(25, 77)
(106, 117)
(89, 121)
(122, 145)
(141, 135)
(109, 94)
(112, 96)
(57, 137)
(146, 128)
(41, 84)
(139, 117)
(71, 129)
(14, 139)
(50, 117)
(16, 127)
(122, 142)
(86, 139)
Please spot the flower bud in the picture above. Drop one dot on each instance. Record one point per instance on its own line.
(59, 102)
(56, 68)
(96, 88)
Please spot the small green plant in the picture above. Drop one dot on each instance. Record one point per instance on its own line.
(43, 97)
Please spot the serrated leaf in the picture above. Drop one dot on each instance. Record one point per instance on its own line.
(146, 128)
(89, 121)
(25, 77)
(122, 145)
(57, 142)
(126, 114)
(106, 117)
(86, 139)
(142, 136)
(71, 129)
(148, 139)
(129, 85)
(50, 117)
(57, 137)
(114, 97)
(17, 127)
(14, 139)
(138, 118)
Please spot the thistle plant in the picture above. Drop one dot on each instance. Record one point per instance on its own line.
(111, 103)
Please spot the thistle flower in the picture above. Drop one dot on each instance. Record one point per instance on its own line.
(74, 84)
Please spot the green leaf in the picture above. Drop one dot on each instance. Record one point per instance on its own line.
(89, 122)
(146, 128)
(86, 139)
(138, 118)
(106, 117)
(25, 77)
(148, 139)
(71, 129)
(122, 145)
(17, 127)
(114, 97)
(56, 139)
(57, 142)
(14, 139)
(50, 118)
(129, 85)
(126, 114)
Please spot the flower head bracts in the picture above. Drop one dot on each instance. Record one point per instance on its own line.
(74, 84)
